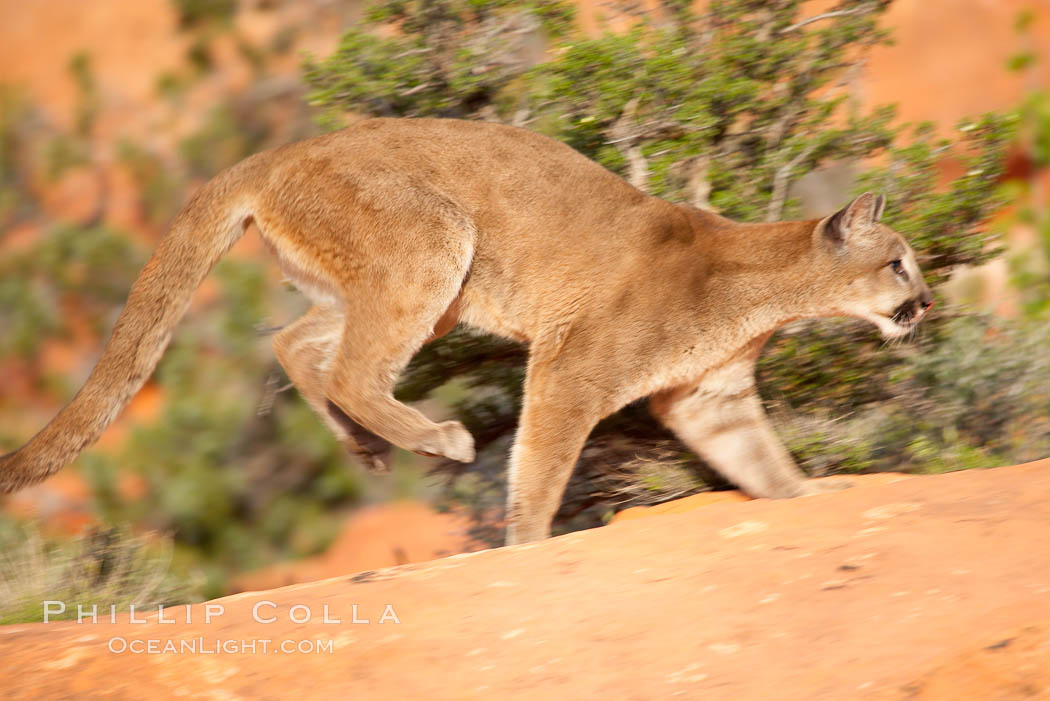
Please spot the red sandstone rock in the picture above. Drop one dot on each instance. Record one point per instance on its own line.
(697, 501)
(936, 587)
(377, 536)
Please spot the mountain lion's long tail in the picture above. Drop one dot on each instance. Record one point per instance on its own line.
(213, 220)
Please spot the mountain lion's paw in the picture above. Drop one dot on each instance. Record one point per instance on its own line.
(458, 443)
(376, 463)
(451, 440)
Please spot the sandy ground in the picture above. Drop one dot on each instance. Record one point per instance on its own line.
(934, 587)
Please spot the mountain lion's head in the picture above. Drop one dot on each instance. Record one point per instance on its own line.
(872, 267)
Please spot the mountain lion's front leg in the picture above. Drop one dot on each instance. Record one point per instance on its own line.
(721, 418)
(556, 418)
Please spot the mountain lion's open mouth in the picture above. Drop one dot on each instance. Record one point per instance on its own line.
(900, 322)
(910, 313)
(903, 319)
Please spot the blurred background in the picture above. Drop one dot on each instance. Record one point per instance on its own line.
(217, 479)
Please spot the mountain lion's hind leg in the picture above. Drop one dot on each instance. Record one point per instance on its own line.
(306, 349)
(721, 418)
(406, 303)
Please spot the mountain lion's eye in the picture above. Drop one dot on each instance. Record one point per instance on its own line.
(897, 267)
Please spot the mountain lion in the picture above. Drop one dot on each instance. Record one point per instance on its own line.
(398, 229)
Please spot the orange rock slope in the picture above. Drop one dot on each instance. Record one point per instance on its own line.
(934, 587)
(380, 535)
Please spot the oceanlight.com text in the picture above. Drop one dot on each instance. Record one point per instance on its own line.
(120, 645)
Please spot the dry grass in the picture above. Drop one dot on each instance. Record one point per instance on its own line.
(103, 567)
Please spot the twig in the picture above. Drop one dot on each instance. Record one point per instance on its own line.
(412, 52)
(699, 184)
(637, 166)
(270, 392)
(418, 88)
(860, 9)
(781, 181)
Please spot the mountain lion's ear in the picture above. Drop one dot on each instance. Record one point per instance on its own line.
(857, 217)
(880, 207)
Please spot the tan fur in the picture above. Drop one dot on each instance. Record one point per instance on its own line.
(397, 229)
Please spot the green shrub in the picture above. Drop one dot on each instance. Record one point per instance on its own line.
(96, 264)
(977, 395)
(193, 13)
